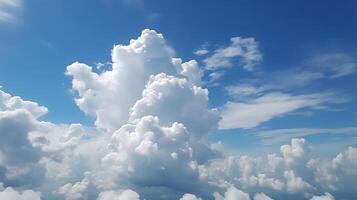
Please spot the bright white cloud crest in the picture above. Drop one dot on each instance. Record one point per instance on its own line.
(150, 141)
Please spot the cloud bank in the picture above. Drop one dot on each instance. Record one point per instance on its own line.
(150, 141)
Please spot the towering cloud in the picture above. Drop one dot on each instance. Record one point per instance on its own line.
(109, 95)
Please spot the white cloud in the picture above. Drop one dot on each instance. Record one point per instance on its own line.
(145, 151)
(244, 90)
(327, 196)
(261, 196)
(203, 50)
(291, 175)
(294, 152)
(294, 183)
(330, 174)
(323, 66)
(10, 193)
(100, 65)
(246, 49)
(12, 103)
(190, 70)
(156, 119)
(119, 195)
(334, 65)
(18, 156)
(252, 113)
(214, 76)
(9, 9)
(109, 95)
(176, 100)
(232, 193)
(278, 136)
(188, 196)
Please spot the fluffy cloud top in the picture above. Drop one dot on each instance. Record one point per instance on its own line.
(109, 95)
(119, 195)
(189, 197)
(12, 194)
(327, 196)
(145, 151)
(232, 193)
(176, 100)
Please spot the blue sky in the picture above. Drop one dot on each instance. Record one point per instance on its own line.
(44, 37)
(275, 70)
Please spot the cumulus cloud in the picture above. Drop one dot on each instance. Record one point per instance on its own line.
(293, 174)
(119, 195)
(109, 95)
(327, 196)
(18, 156)
(294, 183)
(176, 100)
(232, 193)
(144, 152)
(12, 103)
(188, 196)
(10, 193)
(75, 191)
(245, 49)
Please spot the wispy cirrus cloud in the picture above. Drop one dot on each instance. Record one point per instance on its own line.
(319, 67)
(335, 64)
(273, 94)
(279, 136)
(255, 111)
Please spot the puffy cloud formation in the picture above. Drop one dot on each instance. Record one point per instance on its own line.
(13, 103)
(150, 141)
(74, 162)
(109, 95)
(234, 193)
(18, 156)
(12, 194)
(119, 195)
(189, 197)
(176, 100)
(231, 194)
(327, 196)
(293, 174)
(144, 152)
